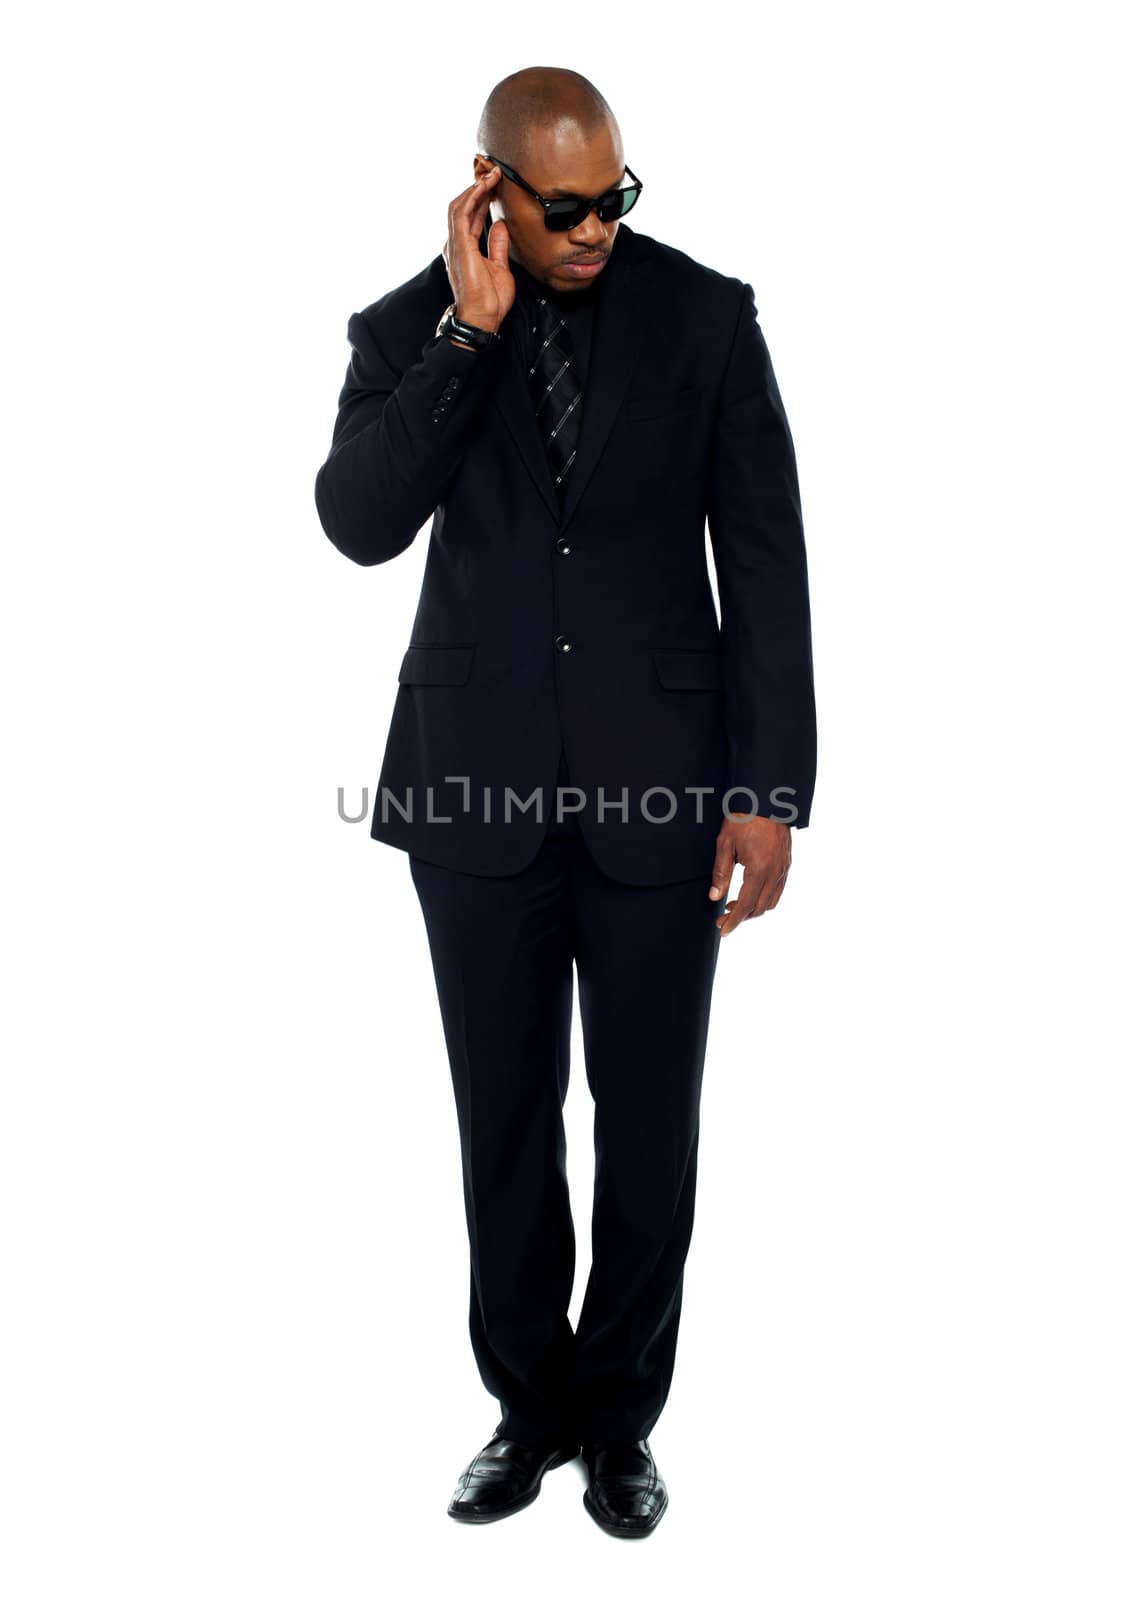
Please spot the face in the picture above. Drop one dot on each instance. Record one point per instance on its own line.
(563, 162)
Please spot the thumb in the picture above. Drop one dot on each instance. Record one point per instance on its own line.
(722, 870)
(497, 243)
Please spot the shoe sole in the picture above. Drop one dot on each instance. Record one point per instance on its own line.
(614, 1528)
(471, 1516)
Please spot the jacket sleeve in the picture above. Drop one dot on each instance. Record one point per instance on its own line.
(396, 442)
(756, 528)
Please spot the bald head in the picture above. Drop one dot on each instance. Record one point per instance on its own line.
(559, 136)
(533, 111)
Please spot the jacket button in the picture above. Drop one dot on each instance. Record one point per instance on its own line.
(564, 547)
(562, 644)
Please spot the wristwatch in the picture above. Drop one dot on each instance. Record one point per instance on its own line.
(450, 326)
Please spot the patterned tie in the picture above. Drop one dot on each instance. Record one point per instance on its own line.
(558, 396)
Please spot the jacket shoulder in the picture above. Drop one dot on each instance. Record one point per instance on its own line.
(406, 316)
(416, 295)
(688, 287)
(679, 268)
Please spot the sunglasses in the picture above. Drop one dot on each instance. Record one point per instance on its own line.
(568, 211)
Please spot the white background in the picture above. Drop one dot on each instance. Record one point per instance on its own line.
(234, 1267)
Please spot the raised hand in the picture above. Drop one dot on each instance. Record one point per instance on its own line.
(483, 286)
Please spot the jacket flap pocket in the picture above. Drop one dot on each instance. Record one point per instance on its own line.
(689, 669)
(436, 663)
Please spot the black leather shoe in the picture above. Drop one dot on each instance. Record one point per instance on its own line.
(505, 1476)
(625, 1493)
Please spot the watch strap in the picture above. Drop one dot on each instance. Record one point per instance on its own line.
(451, 326)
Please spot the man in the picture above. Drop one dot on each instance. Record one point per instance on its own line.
(573, 402)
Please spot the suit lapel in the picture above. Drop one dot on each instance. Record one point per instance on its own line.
(617, 333)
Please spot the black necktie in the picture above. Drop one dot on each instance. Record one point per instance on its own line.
(558, 396)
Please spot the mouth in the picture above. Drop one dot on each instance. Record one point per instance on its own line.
(584, 266)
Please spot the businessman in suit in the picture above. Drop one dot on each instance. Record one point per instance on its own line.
(580, 754)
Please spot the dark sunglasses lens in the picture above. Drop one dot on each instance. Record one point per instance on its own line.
(618, 204)
(560, 215)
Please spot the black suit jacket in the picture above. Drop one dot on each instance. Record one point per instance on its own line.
(590, 627)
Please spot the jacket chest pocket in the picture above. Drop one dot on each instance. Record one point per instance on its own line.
(640, 407)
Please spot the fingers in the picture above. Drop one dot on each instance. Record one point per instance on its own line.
(481, 204)
(757, 895)
(774, 894)
(466, 210)
(764, 895)
(465, 215)
(736, 910)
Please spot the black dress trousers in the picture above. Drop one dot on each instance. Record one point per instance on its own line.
(503, 951)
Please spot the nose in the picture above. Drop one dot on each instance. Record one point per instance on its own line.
(590, 235)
